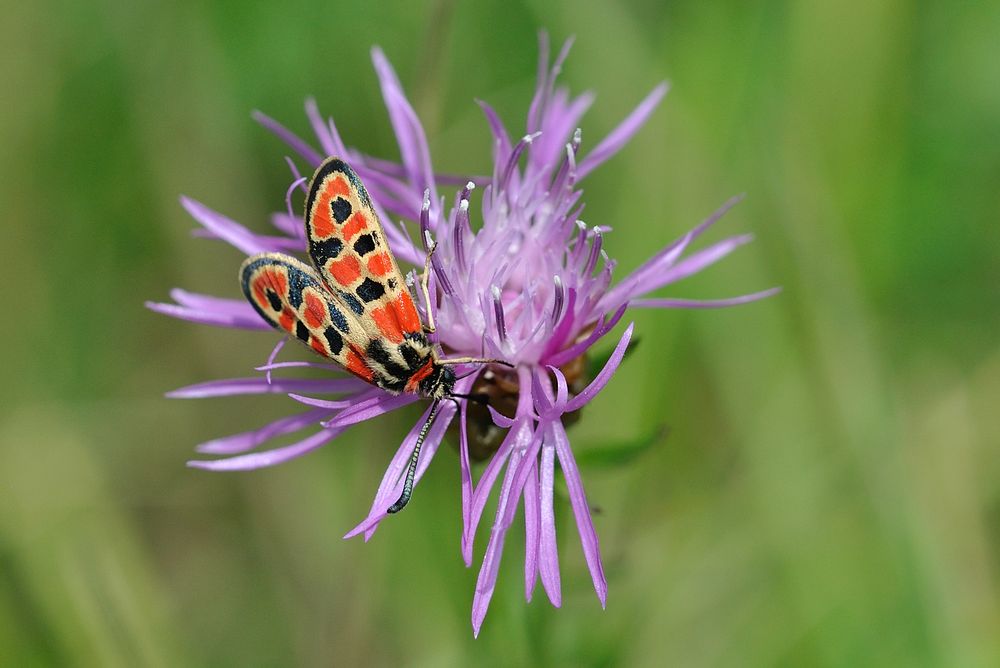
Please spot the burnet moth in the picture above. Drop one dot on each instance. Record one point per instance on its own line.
(353, 305)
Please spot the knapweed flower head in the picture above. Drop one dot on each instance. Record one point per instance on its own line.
(528, 282)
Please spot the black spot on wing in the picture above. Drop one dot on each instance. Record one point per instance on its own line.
(274, 300)
(340, 208)
(328, 249)
(302, 331)
(391, 283)
(364, 245)
(370, 290)
(334, 339)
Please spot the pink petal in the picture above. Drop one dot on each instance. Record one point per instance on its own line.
(532, 517)
(522, 461)
(548, 551)
(409, 132)
(577, 349)
(290, 138)
(704, 303)
(591, 391)
(578, 499)
(260, 385)
(225, 228)
(231, 445)
(372, 405)
(623, 133)
(323, 403)
(247, 320)
(518, 437)
(654, 266)
(258, 460)
(463, 450)
(322, 130)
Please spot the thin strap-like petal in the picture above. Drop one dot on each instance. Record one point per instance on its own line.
(663, 259)
(532, 514)
(623, 133)
(260, 385)
(372, 405)
(245, 320)
(604, 326)
(522, 460)
(548, 550)
(290, 138)
(518, 437)
(581, 509)
(225, 228)
(258, 460)
(591, 391)
(704, 303)
(409, 132)
(237, 443)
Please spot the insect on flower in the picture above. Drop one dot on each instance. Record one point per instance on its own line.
(355, 307)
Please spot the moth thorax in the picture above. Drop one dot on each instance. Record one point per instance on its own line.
(438, 383)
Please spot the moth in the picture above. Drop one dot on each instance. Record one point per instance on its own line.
(353, 305)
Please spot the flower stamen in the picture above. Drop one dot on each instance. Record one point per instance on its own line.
(515, 155)
(498, 312)
(558, 295)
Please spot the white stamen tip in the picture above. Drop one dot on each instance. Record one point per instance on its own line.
(582, 225)
(557, 281)
(428, 239)
(604, 255)
(464, 205)
(427, 200)
(496, 292)
(578, 135)
(470, 186)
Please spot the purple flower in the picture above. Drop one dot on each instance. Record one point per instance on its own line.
(533, 286)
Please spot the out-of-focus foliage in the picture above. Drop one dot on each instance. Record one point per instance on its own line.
(827, 494)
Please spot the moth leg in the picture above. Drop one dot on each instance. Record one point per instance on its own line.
(425, 280)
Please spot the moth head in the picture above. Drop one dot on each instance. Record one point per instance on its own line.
(438, 383)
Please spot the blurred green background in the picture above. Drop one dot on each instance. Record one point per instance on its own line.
(829, 493)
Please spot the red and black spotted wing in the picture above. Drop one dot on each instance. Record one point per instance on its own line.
(348, 247)
(291, 297)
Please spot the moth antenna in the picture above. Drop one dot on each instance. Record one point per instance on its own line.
(411, 469)
(475, 360)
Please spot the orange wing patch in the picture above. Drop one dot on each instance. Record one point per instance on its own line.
(345, 271)
(357, 223)
(356, 364)
(380, 264)
(406, 313)
(315, 312)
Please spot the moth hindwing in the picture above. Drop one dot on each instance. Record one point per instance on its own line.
(354, 307)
